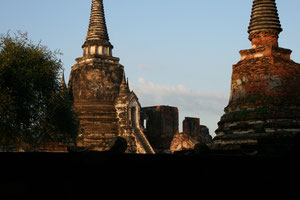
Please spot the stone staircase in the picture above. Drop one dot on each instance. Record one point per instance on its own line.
(141, 138)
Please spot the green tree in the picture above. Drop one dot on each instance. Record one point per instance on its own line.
(34, 109)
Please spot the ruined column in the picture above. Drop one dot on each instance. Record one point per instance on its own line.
(161, 124)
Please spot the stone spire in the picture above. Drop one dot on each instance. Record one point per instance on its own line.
(264, 16)
(63, 85)
(124, 88)
(264, 25)
(97, 39)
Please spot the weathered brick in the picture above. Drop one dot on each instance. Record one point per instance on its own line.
(161, 126)
(106, 108)
(265, 87)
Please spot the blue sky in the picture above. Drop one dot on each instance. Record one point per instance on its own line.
(175, 52)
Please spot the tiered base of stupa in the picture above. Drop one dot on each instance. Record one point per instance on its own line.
(264, 107)
(106, 109)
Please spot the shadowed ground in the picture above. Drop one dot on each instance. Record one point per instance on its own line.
(216, 174)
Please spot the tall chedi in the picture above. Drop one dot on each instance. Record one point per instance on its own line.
(106, 107)
(264, 106)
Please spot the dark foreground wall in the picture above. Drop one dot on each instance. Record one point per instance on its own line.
(71, 175)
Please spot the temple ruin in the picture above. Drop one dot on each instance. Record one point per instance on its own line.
(160, 124)
(101, 95)
(192, 133)
(161, 127)
(264, 105)
(106, 107)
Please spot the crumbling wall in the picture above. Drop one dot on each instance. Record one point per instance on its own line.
(191, 127)
(205, 137)
(160, 124)
(182, 141)
(192, 134)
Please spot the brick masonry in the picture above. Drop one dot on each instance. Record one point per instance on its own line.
(161, 124)
(192, 134)
(265, 89)
(106, 107)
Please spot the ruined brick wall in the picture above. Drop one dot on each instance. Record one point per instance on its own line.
(192, 134)
(182, 141)
(161, 126)
(191, 126)
(205, 137)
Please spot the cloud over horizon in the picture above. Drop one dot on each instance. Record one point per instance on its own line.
(180, 96)
(207, 105)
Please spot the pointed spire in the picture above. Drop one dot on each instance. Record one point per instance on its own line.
(63, 85)
(123, 78)
(264, 27)
(128, 84)
(264, 16)
(97, 32)
(124, 85)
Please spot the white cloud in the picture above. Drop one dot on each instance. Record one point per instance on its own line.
(180, 96)
(207, 105)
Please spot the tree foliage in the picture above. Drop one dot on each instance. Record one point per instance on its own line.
(33, 109)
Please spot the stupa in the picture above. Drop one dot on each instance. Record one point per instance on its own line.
(264, 105)
(105, 105)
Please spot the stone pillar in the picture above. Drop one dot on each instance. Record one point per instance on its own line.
(191, 127)
(161, 126)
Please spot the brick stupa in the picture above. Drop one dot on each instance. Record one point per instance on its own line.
(264, 106)
(106, 108)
